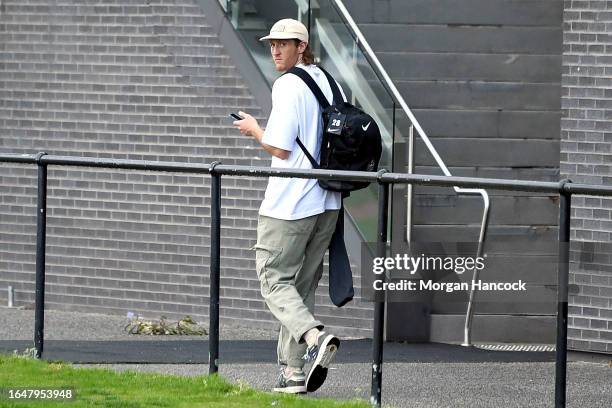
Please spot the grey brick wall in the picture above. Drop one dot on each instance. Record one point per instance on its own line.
(586, 156)
(132, 79)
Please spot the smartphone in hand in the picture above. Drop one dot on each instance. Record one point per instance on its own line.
(236, 116)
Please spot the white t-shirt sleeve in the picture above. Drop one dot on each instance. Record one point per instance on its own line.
(282, 127)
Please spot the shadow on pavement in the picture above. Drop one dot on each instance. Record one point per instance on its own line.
(258, 351)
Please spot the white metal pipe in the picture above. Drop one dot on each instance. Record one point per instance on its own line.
(11, 297)
(409, 187)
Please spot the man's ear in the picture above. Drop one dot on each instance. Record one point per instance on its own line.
(302, 47)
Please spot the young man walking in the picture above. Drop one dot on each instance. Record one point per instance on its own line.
(297, 217)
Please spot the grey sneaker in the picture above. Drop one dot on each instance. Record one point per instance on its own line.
(321, 354)
(294, 383)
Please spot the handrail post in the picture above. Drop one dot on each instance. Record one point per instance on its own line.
(379, 307)
(469, 314)
(41, 232)
(215, 262)
(565, 208)
(409, 187)
(11, 297)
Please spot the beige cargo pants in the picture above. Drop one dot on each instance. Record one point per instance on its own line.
(289, 263)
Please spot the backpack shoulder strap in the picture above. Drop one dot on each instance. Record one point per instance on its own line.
(314, 88)
(311, 159)
(334, 87)
(304, 76)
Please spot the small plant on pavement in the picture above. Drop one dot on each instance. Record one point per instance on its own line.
(185, 326)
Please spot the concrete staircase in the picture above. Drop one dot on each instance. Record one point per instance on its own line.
(483, 79)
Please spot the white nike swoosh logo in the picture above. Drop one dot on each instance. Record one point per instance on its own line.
(365, 128)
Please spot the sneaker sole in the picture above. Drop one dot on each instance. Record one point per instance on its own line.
(318, 372)
(297, 389)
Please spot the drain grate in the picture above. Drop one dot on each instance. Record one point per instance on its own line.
(516, 347)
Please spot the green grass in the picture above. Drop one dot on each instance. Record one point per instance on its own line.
(110, 389)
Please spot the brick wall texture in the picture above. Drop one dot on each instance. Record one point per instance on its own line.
(586, 156)
(130, 79)
(141, 79)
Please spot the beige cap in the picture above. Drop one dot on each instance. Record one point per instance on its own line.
(287, 29)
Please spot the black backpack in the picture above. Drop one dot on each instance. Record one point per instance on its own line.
(351, 138)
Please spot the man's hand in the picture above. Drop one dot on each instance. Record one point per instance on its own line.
(249, 126)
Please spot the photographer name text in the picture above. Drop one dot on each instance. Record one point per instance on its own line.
(413, 285)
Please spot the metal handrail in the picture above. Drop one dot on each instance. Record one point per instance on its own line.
(564, 188)
(361, 40)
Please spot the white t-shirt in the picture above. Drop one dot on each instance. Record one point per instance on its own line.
(296, 113)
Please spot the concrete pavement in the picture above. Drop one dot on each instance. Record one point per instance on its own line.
(414, 375)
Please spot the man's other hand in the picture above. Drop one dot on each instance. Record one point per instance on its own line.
(248, 125)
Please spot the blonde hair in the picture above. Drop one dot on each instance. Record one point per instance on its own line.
(307, 56)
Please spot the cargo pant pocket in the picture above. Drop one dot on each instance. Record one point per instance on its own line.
(266, 259)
